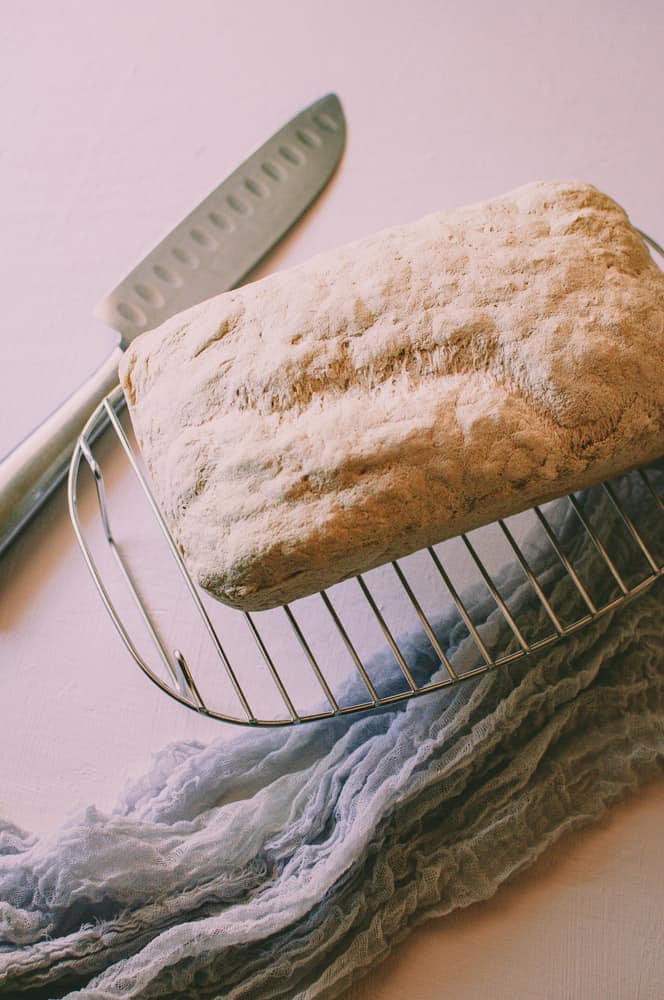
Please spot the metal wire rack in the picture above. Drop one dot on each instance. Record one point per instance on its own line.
(605, 584)
(407, 629)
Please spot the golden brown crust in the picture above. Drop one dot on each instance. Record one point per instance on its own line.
(402, 389)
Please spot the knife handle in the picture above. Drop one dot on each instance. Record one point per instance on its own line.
(30, 473)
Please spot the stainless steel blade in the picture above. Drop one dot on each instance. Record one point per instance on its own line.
(224, 238)
(211, 251)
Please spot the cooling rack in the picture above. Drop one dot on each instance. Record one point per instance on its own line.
(597, 567)
(483, 600)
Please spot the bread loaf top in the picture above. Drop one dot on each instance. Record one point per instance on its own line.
(403, 388)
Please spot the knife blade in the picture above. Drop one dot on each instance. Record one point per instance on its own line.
(223, 239)
(209, 252)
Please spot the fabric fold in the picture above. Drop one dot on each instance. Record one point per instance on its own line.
(289, 862)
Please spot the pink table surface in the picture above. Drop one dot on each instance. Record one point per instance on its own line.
(116, 119)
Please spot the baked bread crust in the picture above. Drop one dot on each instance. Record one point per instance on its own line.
(400, 390)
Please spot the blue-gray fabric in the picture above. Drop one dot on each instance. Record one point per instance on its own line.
(289, 862)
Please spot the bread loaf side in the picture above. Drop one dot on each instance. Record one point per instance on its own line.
(394, 392)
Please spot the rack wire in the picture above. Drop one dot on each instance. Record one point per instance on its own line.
(581, 557)
(174, 673)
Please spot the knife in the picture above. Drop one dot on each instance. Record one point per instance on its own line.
(209, 252)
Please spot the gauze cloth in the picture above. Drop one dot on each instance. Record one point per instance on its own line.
(287, 863)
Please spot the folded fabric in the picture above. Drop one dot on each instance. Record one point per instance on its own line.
(289, 862)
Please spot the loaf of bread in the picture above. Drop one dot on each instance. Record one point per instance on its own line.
(400, 390)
